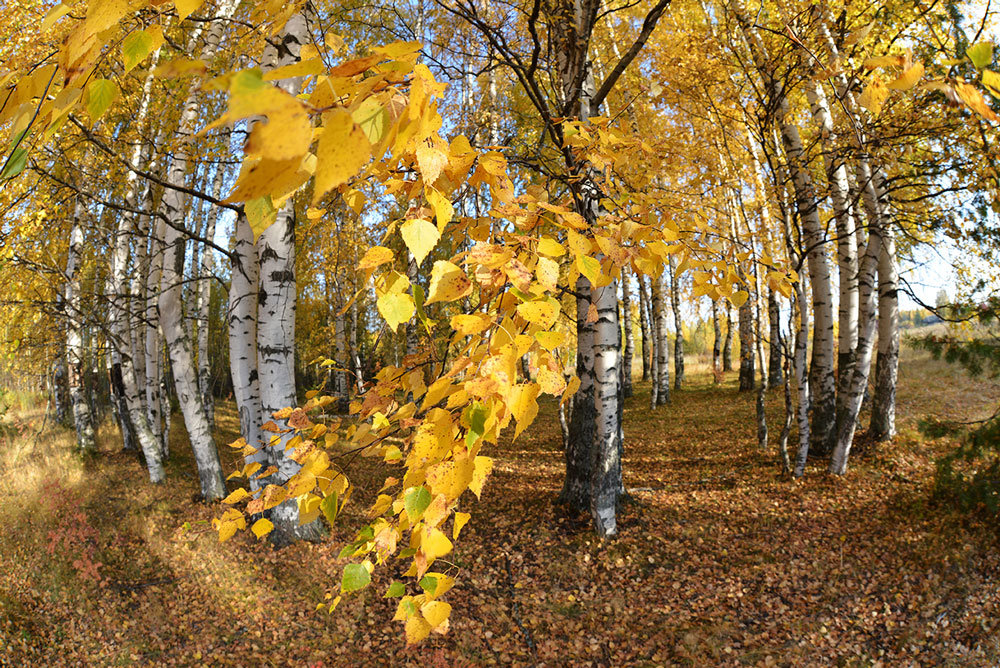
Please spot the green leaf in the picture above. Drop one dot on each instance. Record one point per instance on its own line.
(477, 423)
(15, 164)
(373, 119)
(135, 48)
(415, 502)
(260, 213)
(355, 577)
(429, 584)
(981, 54)
(100, 94)
(395, 590)
(347, 551)
(329, 507)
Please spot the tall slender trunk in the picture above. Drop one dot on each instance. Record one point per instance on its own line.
(644, 326)
(745, 315)
(242, 321)
(172, 208)
(847, 245)
(801, 307)
(582, 432)
(716, 344)
(83, 419)
(205, 302)
(629, 342)
(822, 378)
(155, 397)
(606, 473)
(727, 346)
(661, 377)
(883, 421)
(276, 305)
(855, 393)
(775, 345)
(675, 306)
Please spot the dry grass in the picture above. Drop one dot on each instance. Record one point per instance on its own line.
(721, 560)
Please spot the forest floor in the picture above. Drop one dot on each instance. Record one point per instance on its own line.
(721, 560)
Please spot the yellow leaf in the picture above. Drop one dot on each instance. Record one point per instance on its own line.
(884, 61)
(420, 236)
(523, 405)
(551, 247)
(874, 95)
(550, 340)
(571, 387)
(54, 15)
(443, 210)
(417, 629)
(543, 314)
(435, 544)
(461, 519)
(975, 100)
(435, 612)
(396, 308)
(908, 79)
(237, 496)
(376, 256)
(448, 283)
(301, 68)
(271, 178)
(186, 7)
(286, 135)
(992, 81)
(179, 67)
(483, 466)
(262, 527)
(342, 151)
(547, 273)
(551, 382)
(466, 325)
(739, 298)
(430, 161)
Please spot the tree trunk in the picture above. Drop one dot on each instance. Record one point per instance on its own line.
(727, 346)
(205, 303)
(276, 307)
(745, 314)
(716, 344)
(172, 207)
(675, 303)
(582, 422)
(83, 419)
(775, 345)
(859, 377)
(242, 319)
(661, 377)
(629, 342)
(644, 325)
(606, 473)
(883, 421)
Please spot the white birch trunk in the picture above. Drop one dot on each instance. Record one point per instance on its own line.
(172, 206)
(883, 421)
(675, 306)
(629, 344)
(83, 419)
(661, 376)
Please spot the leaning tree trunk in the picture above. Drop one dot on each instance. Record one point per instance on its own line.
(883, 421)
(866, 334)
(629, 343)
(675, 305)
(172, 208)
(83, 419)
(847, 245)
(822, 378)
